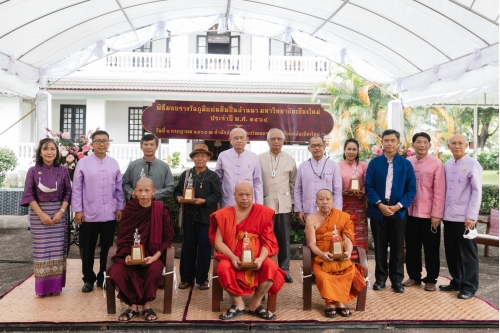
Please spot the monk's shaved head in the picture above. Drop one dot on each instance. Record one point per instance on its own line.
(243, 186)
(145, 182)
(324, 191)
(243, 195)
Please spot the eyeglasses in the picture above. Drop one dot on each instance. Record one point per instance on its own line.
(317, 146)
(276, 139)
(101, 142)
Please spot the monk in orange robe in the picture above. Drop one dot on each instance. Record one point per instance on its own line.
(338, 280)
(228, 227)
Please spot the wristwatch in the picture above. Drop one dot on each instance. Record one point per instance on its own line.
(62, 210)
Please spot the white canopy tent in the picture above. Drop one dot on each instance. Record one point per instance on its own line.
(415, 44)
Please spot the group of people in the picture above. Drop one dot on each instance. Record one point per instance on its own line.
(248, 201)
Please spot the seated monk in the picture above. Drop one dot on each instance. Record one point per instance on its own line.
(338, 280)
(227, 232)
(137, 284)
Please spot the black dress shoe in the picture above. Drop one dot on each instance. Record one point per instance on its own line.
(87, 287)
(398, 288)
(100, 283)
(448, 288)
(465, 295)
(379, 285)
(288, 279)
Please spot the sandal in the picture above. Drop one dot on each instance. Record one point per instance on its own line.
(344, 312)
(232, 314)
(184, 285)
(331, 312)
(262, 314)
(128, 314)
(204, 286)
(148, 313)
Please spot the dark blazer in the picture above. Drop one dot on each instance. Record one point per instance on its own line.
(404, 187)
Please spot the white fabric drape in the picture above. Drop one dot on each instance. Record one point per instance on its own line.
(343, 54)
(395, 118)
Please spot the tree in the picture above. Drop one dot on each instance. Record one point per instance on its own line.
(358, 107)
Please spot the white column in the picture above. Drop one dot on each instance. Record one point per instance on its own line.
(43, 114)
(395, 116)
(260, 53)
(179, 46)
(10, 112)
(96, 115)
(474, 133)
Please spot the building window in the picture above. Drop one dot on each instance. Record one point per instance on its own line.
(135, 129)
(167, 40)
(148, 47)
(235, 45)
(73, 120)
(293, 50)
(201, 44)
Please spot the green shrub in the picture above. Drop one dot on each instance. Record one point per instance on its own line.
(297, 234)
(490, 198)
(8, 162)
(488, 160)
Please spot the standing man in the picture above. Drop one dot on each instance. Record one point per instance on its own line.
(236, 165)
(278, 175)
(98, 202)
(425, 214)
(151, 167)
(196, 248)
(318, 172)
(390, 187)
(461, 208)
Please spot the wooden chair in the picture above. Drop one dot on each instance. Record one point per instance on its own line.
(308, 258)
(490, 238)
(217, 291)
(168, 282)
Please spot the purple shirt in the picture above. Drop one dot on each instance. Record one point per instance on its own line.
(97, 188)
(308, 183)
(463, 189)
(50, 177)
(233, 168)
(431, 188)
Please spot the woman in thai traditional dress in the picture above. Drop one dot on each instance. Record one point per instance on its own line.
(354, 201)
(47, 192)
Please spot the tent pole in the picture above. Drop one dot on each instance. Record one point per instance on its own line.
(475, 133)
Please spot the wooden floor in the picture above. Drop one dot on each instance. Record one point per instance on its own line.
(193, 306)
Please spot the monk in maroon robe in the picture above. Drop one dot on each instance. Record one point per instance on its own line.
(228, 228)
(137, 284)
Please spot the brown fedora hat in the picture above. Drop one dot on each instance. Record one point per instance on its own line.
(201, 148)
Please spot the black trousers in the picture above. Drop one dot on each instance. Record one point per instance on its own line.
(461, 257)
(418, 233)
(385, 232)
(282, 226)
(196, 252)
(89, 232)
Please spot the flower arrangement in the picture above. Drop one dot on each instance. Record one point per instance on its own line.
(71, 151)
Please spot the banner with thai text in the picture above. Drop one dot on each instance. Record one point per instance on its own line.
(214, 120)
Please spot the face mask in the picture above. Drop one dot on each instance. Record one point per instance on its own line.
(44, 188)
(470, 234)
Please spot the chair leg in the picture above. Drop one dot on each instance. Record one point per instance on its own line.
(216, 295)
(486, 250)
(110, 296)
(168, 293)
(271, 302)
(361, 302)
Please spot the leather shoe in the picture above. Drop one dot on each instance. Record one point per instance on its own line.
(99, 283)
(288, 279)
(410, 283)
(87, 287)
(184, 285)
(379, 285)
(429, 286)
(465, 295)
(398, 288)
(448, 288)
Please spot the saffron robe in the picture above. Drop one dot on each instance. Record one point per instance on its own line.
(138, 284)
(259, 226)
(339, 281)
